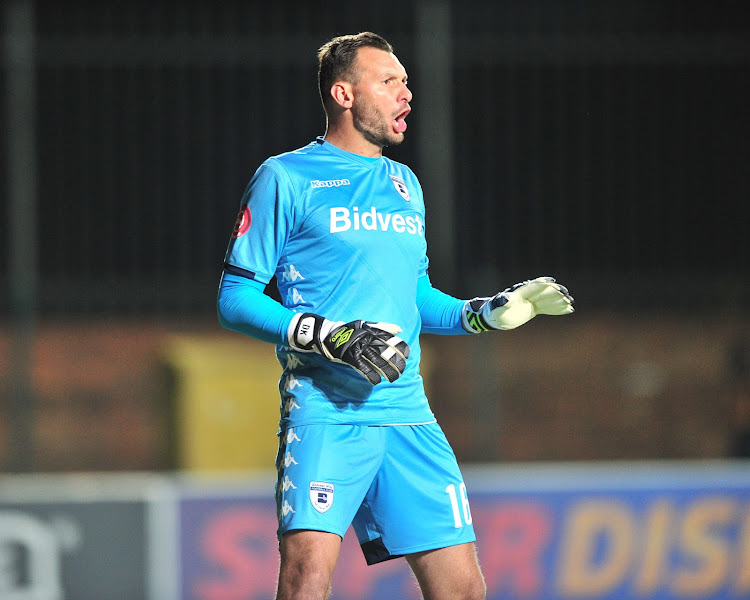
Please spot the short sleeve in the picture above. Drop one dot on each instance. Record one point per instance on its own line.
(263, 224)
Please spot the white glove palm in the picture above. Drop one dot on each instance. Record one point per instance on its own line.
(517, 305)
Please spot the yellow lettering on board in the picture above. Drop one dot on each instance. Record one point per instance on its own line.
(655, 549)
(743, 551)
(707, 552)
(581, 573)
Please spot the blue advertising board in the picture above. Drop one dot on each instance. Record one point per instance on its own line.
(549, 532)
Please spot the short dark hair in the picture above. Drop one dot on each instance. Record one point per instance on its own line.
(336, 59)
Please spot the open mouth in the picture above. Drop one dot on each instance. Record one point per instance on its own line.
(399, 123)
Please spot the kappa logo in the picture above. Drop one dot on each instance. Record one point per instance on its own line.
(321, 495)
(290, 405)
(294, 298)
(291, 274)
(400, 186)
(291, 383)
(318, 183)
(292, 361)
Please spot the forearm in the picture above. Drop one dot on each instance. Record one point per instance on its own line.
(440, 312)
(243, 307)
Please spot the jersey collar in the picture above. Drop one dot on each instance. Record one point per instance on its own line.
(365, 160)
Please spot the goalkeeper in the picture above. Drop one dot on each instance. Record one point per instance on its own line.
(342, 228)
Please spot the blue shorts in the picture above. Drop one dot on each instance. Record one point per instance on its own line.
(399, 486)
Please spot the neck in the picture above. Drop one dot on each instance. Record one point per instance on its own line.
(349, 139)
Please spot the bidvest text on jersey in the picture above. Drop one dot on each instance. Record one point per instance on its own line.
(343, 219)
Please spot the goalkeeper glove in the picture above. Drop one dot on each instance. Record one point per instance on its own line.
(517, 305)
(372, 349)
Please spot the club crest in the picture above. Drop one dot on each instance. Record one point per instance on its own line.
(321, 495)
(400, 186)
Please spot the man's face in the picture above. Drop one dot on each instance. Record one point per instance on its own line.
(381, 99)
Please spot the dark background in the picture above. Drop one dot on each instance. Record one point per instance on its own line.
(603, 142)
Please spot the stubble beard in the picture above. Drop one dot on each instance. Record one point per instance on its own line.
(373, 125)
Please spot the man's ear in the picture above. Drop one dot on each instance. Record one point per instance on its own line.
(342, 94)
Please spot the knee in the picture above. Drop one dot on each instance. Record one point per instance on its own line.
(461, 588)
(303, 581)
(476, 589)
(307, 563)
(470, 584)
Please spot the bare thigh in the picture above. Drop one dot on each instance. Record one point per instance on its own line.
(451, 573)
(308, 559)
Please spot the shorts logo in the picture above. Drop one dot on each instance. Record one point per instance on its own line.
(400, 186)
(321, 495)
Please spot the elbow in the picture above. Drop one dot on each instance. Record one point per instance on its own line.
(222, 319)
(223, 312)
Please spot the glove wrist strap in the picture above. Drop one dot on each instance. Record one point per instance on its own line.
(304, 332)
(307, 331)
(471, 316)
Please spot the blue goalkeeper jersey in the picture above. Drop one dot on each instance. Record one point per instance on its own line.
(345, 237)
